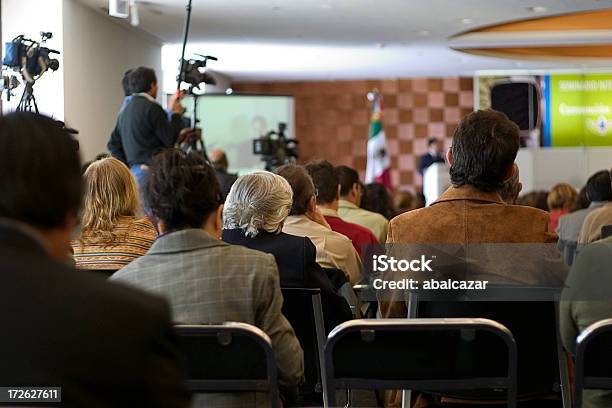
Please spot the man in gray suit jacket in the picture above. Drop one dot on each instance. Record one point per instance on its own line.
(206, 280)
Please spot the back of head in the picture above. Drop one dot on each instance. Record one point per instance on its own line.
(561, 197)
(582, 200)
(347, 177)
(125, 83)
(218, 159)
(301, 185)
(378, 199)
(141, 79)
(258, 201)
(509, 188)
(110, 192)
(40, 171)
(484, 147)
(325, 180)
(182, 189)
(535, 199)
(599, 187)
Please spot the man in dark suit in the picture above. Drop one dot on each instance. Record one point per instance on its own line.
(104, 344)
(218, 159)
(433, 155)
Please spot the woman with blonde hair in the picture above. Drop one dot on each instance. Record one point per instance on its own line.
(560, 201)
(112, 233)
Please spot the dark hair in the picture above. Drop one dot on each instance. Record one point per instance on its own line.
(125, 83)
(347, 177)
(141, 79)
(301, 184)
(536, 199)
(182, 189)
(581, 202)
(431, 141)
(378, 200)
(484, 147)
(40, 171)
(325, 180)
(599, 187)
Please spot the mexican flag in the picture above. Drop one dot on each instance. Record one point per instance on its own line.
(379, 162)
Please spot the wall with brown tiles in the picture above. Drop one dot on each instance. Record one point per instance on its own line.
(332, 118)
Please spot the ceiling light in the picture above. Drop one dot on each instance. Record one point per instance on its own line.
(467, 21)
(229, 91)
(537, 9)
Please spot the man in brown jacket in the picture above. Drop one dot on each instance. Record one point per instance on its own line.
(485, 145)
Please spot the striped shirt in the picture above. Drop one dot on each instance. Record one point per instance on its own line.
(134, 237)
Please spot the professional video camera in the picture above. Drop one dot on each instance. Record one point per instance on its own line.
(278, 151)
(193, 71)
(32, 60)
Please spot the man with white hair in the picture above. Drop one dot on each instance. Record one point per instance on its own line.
(253, 216)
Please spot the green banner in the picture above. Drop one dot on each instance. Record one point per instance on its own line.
(579, 110)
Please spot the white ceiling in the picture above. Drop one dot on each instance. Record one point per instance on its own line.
(342, 39)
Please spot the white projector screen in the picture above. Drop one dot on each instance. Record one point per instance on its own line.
(231, 122)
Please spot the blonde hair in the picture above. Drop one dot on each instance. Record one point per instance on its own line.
(561, 196)
(110, 193)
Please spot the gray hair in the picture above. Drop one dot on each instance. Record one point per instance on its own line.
(257, 201)
(509, 188)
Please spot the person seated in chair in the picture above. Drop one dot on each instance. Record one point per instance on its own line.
(206, 280)
(112, 234)
(253, 216)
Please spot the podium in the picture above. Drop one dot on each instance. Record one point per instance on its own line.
(436, 180)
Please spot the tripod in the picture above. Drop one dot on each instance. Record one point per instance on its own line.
(28, 100)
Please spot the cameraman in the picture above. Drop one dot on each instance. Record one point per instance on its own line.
(143, 127)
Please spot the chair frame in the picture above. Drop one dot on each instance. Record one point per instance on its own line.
(582, 342)
(317, 309)
(371, 326)
(224, 333)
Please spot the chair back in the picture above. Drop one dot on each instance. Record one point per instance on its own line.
(532, 320)
(103, 273)
(231, 357)
(420, 354)
(302, 308)
(593, 355)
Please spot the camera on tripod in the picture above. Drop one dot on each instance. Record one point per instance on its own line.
(193, 71)
(31, 59)
(278, 151)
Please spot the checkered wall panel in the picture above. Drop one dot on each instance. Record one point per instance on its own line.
(332, 118)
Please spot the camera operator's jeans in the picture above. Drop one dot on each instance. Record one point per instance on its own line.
(141, 174)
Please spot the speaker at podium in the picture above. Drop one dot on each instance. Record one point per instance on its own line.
(436, 180)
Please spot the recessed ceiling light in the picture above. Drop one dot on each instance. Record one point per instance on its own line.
(537, 9)
(423, 33)
(467, 21)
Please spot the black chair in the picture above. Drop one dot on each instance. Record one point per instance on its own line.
(593, 354)
(531, 316)
(302, 308)
(394, 354)
(232, 357)
(103, 273)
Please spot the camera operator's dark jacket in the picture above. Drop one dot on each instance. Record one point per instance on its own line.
(142, 130)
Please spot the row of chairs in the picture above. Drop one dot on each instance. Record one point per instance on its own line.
(451, 355)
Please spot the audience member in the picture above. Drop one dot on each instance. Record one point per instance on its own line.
(434, 155)
(253, 216)
(484, 147)
(586, 300)
(593, 223)
(143, 127)
(207, 280)
(219, 161)
(599, 191)
(378, 200)
(112, 235)
(348, 206)
(334, 250)
(127, 92)
(512, 187)
(535, 199)
(404, 201)
(327, 186)
(560, 200)
(104, 344)
(582, 200)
